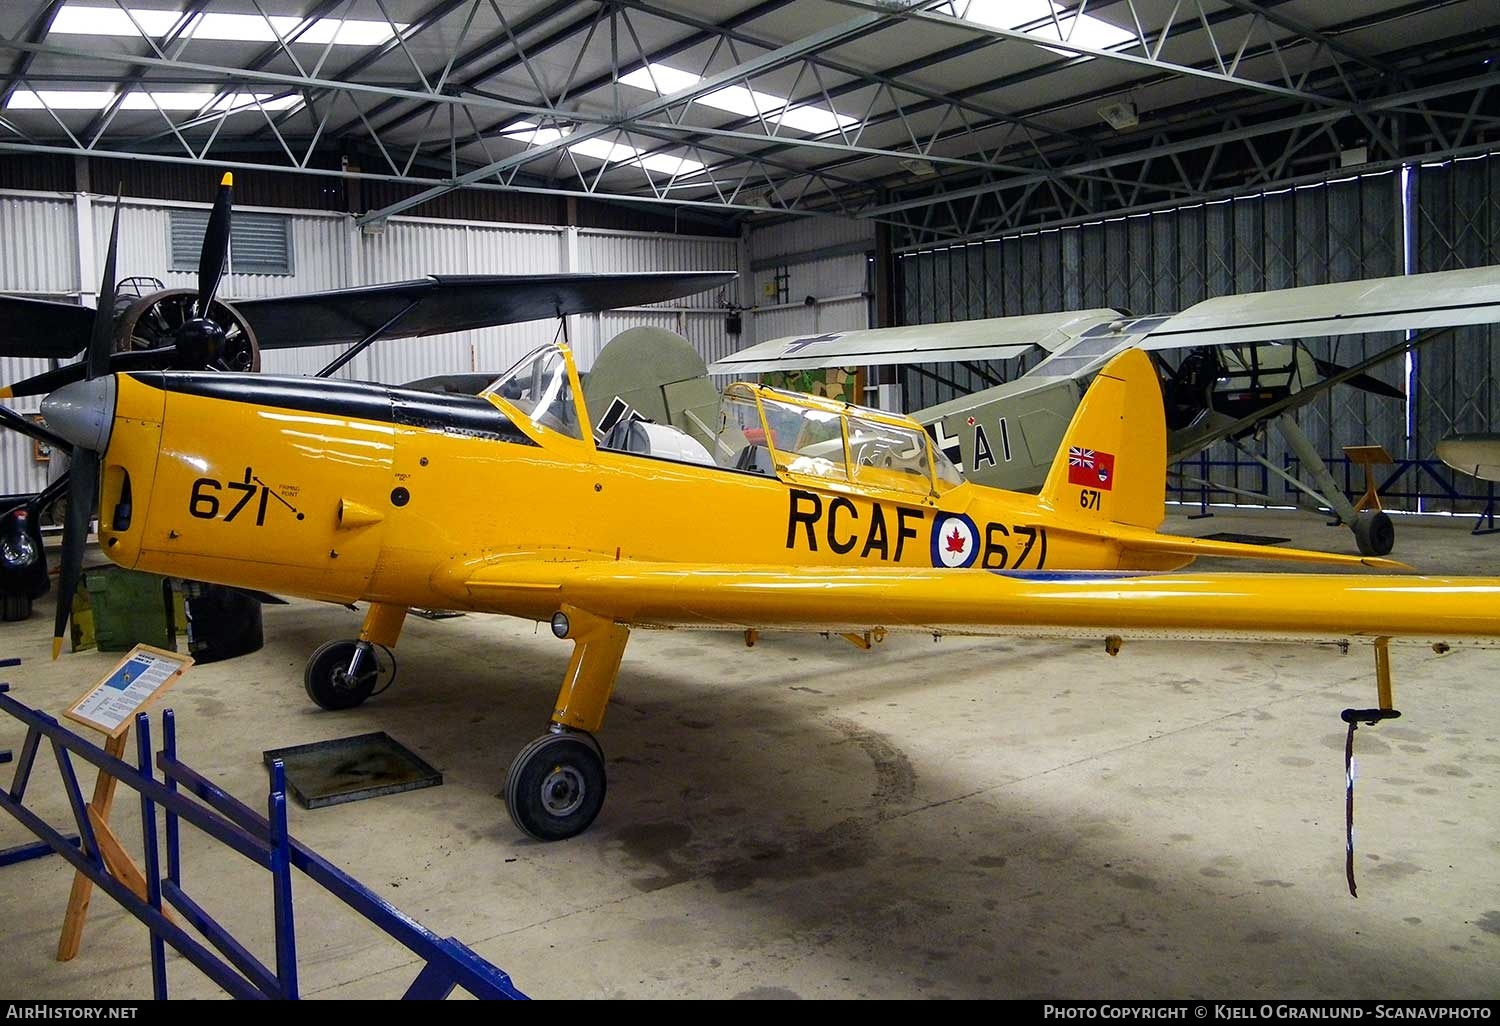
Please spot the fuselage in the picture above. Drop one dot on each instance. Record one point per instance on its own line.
(343, 491)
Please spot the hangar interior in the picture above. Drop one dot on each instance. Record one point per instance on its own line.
(964, 818)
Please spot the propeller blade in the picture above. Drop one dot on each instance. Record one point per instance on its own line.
(31, 429)
(125, 360)
(102, 339)
(1364, 382)
(83, 472)
(215, 245)
(83, 485)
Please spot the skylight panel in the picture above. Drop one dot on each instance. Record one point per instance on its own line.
(532, 134)
(79, 19)
(750, 103)
(1046, 20)
(98, 99)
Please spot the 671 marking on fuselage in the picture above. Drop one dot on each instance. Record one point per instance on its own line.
(204, 502)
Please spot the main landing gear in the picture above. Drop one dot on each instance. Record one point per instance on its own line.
(342, 674)
(555, 787)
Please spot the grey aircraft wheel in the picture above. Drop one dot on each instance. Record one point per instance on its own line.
(327, 679)
(1374, 533)
(555, 787)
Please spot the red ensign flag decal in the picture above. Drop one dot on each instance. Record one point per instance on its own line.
(1091, 468)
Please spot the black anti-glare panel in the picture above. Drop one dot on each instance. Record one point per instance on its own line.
(351, 768)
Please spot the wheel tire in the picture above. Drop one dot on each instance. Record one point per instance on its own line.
(555, 787)
(324, 678)
(15, 607)
(1374, 533)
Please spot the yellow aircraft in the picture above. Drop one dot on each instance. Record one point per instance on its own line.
(816, 515)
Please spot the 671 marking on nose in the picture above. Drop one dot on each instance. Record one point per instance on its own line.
(204, 502)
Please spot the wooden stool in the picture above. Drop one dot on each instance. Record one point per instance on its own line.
(1368, 456)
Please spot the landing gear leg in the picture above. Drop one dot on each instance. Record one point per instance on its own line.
(342, 674)
(555, 787)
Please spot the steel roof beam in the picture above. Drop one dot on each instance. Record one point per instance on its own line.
(850, 29)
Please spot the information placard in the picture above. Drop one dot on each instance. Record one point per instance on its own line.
(136, 681)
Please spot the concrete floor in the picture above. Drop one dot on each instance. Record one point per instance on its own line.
(957, 819)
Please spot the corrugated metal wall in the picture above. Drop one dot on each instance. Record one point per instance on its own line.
(1458, 225)
(795, 254)
(38, 256)
(1166, 261)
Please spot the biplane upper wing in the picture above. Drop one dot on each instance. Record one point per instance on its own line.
(1324, 607)
(1434, 300)
(993, 338)
(40, 327)
(444, 303)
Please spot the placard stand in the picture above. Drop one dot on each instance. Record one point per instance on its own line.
(141, 677)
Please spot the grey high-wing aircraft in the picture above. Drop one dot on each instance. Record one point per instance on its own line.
(1235, 377)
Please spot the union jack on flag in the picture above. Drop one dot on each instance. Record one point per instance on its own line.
(1080, 457)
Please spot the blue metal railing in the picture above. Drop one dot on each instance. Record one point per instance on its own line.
(183, 794)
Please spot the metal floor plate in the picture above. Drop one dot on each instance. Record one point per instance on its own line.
(351, 768)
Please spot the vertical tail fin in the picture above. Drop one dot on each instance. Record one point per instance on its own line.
(1112, 463)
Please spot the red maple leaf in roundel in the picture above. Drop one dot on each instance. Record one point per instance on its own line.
(955, 541)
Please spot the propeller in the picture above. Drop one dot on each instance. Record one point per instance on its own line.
(83, 473)
(199, 341)
(1365, 382)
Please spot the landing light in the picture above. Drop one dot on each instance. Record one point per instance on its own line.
(560, 625)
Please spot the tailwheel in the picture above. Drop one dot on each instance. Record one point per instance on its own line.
(555, 786)
(1374, 533)
(341, 674)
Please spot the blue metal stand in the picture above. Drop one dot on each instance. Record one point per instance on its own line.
(185, 795)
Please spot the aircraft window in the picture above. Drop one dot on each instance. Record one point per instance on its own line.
(887, 456)
(1082, 355)
(539, 387)
(944, 474)
(806, 441)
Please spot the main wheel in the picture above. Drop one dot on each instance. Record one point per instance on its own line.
(327, 678)
(555, 786)
(1374, 533)
(15, 607)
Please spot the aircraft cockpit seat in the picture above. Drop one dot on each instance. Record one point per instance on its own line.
(659, 440)
(756, 459)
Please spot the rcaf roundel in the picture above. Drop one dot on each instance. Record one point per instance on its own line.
(955, 541)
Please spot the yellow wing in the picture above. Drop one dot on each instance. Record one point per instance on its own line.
(1071, 603)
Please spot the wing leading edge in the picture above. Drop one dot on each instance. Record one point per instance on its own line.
(1318, 607)
(444, 303)
(993, 338)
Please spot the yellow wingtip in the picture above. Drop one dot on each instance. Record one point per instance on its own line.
(228, 178)
(56, 648)
(6, 392)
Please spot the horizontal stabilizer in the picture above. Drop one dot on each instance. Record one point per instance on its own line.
(1207, 547)
(993, 338)
(1398, 303)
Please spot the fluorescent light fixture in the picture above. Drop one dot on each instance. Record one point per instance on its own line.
(1046, 20)
(98, 99)
(599, 148)
(81, 20)
(1120, 116)
(665, 80)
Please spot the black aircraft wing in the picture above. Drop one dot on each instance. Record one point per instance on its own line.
(444, 303)
(39, 327)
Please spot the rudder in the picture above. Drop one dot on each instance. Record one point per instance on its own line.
(1112, 463)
